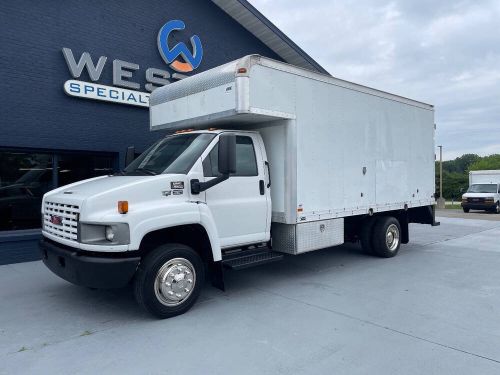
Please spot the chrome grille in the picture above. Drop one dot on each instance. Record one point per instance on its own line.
(68, 229)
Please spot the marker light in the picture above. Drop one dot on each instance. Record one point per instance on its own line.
(242, 70)
(123, 207)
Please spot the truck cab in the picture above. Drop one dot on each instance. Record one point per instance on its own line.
(483, 192)
(485, 196)
(96, 231)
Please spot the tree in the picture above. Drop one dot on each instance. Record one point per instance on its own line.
(486, 163)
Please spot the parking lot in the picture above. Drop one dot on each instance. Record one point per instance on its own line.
(434, 309)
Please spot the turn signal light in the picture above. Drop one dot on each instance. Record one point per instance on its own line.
(242, 70)
(123, 207)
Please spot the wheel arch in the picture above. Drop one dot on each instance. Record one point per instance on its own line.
(193, 235)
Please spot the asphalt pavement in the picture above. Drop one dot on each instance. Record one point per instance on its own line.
(433, 309)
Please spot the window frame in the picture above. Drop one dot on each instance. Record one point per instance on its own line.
(209, 161)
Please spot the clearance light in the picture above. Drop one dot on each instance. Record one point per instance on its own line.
(123, 207)
(242, 70)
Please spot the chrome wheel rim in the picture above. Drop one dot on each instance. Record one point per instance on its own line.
(175, 281)
(392, 237)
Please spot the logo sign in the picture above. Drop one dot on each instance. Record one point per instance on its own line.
(125, 89)
(56, 220)
(192, 60)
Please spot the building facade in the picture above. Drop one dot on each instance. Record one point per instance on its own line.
(75, 83)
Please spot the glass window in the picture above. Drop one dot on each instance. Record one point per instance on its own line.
(246, 163)
(24, 178)
(76, 167)
(173, 154)
(482, 188)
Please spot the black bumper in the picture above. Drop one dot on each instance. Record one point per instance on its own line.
(87, 270)
(479, 206)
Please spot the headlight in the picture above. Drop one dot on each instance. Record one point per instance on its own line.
(98, 234)
(110, 234)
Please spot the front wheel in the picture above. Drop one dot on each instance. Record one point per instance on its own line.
(386, 236)
(168, 281)
(497, 208)
(466, 210)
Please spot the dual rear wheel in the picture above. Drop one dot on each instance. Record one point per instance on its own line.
(381, 236)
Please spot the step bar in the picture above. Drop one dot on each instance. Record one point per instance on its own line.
(250, 258)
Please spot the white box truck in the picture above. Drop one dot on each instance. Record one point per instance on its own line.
(263, 159)
(483, 192)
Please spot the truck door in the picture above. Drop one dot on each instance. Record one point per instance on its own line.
(240, 205)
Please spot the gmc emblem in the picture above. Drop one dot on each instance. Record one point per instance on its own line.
(56, 220)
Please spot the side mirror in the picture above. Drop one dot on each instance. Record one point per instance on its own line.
(227, 154)
(130, 155)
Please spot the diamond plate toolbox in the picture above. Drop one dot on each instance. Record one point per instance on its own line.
(304, 237)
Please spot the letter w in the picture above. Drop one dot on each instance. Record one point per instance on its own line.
(85, 61)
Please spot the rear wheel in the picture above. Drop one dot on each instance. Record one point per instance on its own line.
(386, 236)
(169, 280)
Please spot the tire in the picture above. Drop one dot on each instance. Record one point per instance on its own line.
(466, 210)
(166, 299)
(365, 235)
(497, 208)
(384, 227)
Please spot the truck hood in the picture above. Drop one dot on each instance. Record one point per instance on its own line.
(478, 195)
(94, 186)
(97, 197)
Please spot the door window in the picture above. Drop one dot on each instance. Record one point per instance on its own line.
(246, 163)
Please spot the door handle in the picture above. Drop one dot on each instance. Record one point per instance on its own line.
(261, 187)
(268, 173)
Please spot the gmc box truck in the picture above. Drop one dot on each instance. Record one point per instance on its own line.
(264, 160)
(483, 192)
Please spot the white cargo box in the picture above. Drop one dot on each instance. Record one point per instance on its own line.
(484, 177)
(336, 149)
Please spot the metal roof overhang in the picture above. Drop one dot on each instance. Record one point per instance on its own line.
(251, 19)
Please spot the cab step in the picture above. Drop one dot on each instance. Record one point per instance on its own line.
(250, 258)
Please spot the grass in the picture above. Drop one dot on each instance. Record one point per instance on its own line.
(454, 206)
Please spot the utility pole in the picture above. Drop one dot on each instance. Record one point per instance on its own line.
(441, 201)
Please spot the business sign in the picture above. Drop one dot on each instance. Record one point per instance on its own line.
(124, 90)
(192, 60)
(89, 90)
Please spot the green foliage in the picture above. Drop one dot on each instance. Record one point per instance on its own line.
(488, 162)
(456, 173)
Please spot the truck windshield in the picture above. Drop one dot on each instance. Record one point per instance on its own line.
(172, 154)
(482, 188)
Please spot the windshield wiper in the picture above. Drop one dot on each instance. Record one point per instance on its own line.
(147, 171)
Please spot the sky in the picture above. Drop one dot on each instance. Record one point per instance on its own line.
(442, 52)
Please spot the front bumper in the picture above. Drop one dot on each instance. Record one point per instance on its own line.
(88, 270)
(479, 206)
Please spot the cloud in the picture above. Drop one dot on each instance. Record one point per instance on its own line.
(446, 53)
